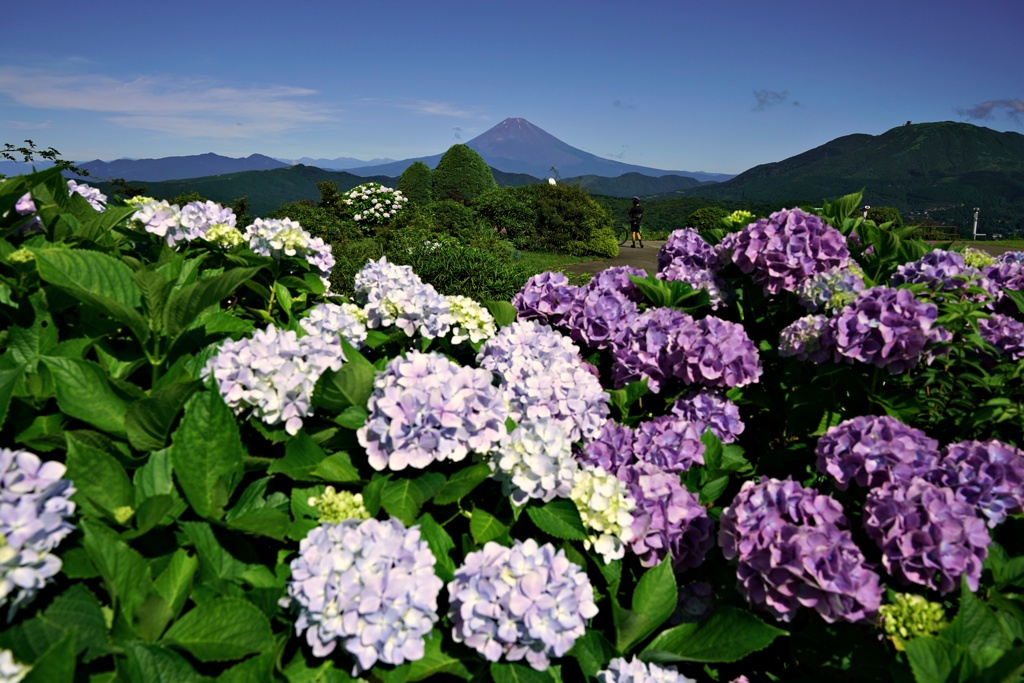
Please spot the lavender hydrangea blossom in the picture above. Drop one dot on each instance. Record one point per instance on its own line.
(986, 474)
(393, 294)
(617, 279)
(887, 328)
(667, 519)
(336, 321)
(546, 298)
(97, 200)
(945, 271)
(611, 448)
(671, 443)
(871, 450)
(648, 347)
(710, 409)
(35, 505)
(426, 408)
(1004, 333)
(277, 237)
(543, 377)
(697, 278)
(831, 289)
(368, 585)
(621, 670)
(927, 534)
(525, 602)
(783, 250)
(1007, 271)
(792, 551)
(597, 317)
(273, 374)
(809, 338)
(687, 248)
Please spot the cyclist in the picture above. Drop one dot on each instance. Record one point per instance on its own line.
(636, 214)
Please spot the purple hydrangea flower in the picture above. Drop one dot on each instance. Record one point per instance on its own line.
(670, 442)
(611, 448)
(198, 217)
(667, 519)
(525, 602)
(687, 248)
(621, 670)
(927, 535)
(546, 298)
(394, 295)
(783, 250)
(792, 551)
(616, 279)
(598, 316)
(710, 409)
(945, 271)
(273, 373)
(697, 278)
(719, 355)
(96, 199)
(872, 450)
(427, 408)
(647, 347)
(544, 377)
(35, 504)
(1004, 333)
(161, 218)
(986, 474)
(887, 328)
(1008, 270)
(368, 585)
(808, 339)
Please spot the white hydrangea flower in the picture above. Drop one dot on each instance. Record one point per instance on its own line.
(536, 462)
(606, 508)
(470, 320)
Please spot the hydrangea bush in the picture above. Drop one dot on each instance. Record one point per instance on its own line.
(794, 452)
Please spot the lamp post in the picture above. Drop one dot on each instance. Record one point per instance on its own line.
(866, 207)
(976, 233)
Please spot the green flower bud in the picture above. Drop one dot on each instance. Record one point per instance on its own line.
(978, 258)
(337, 506)
(22, 255)
(911, 616)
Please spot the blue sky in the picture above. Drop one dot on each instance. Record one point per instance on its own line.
(717, 86)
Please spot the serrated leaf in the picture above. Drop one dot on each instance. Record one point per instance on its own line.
(337, 467)
(351, 385)
(155, 664)
(8, 380)
(933, 660)
(441, 544)
(463, 482)
(435, 662)
(484, 527)
(84, 392)
(175, 582)
(559, 518)
(217, 564)
(186, 303)
(403, 498)
(592, 652)
(149, 420)
(75, 270)
(98, 477)
(220, 630)
(503, 312)
(503, 672)
(57, 665)
(302, 455)
(124, 570)
(207, 454)
(728, 635)
(654, 600)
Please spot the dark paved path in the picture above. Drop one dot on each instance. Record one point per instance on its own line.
(646, 258)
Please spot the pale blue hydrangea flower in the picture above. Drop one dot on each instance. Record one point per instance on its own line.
(831, 289)
(544, 378)
(621, 670)
(525, 602)
(96, 199)
(394, 295)
(35, 504)
(337, 320)
(273, 373)
(160, 218)
(368, 585)
(605, 506)
(470, 320)
(535, 462)
(277, 237)
(427, 408)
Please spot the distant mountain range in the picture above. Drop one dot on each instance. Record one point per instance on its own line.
(339, 164)
(517, 146)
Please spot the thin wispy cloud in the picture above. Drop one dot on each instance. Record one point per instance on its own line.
(26, 125)
(1012, 108)
(442, 109)
(180, 106)
(766, 99)
(619, 104)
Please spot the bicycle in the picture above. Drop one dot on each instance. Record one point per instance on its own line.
(624, 234)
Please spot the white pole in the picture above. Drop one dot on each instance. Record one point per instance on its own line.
(976, 233)
(866, 207)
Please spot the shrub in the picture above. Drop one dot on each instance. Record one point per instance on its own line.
(461, 175)
(706, 218)
(512, 209)
(885, 214)
(415, 183)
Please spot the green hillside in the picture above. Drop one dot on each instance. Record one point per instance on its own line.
(933, 171)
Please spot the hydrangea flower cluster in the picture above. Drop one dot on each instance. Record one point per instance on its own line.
(832, 289)
(617, 279)
(598, 316)
(687, 248)
(335, 321)
(525, 602)
(978, 258)
(277, 237)
(871, 450)
(273, 373)
(945, 271)
(611, 448)
(535, 462)
(710, 409)
(808, 339)
(1007, 271)
(369, 585)
(621, 670)
(470, 320)
(1004, 333)
(740, 218)
(25, 206)
(671, 443)
(927, 534)
(664, 343)
(792, 551)
(605, 507)
(35, 504)
(543, 377)
(196, 220)
(697, 279)
(425, 408)
(667, 519)
(547, 298)
(783, 250)
(337, 506)
(392, 294)
(12, 671)
(986, 474)
(887, 328)
(374, 204)
(911, 615)
(160, 218)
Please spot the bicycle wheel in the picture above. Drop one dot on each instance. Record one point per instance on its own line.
(624, 236)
